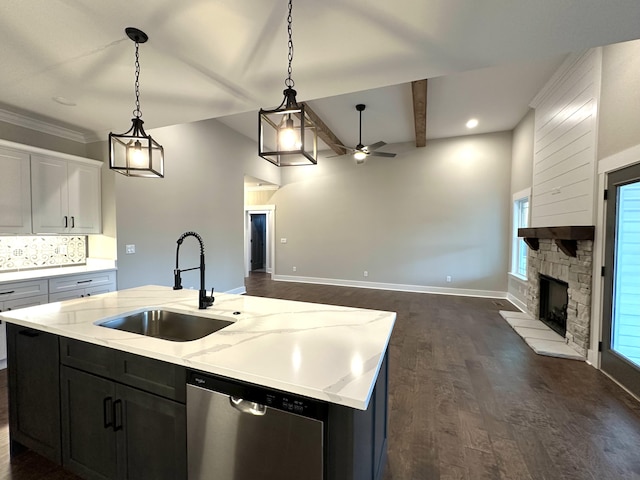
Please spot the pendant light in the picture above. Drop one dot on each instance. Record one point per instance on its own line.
(288, 136)
(134, 153)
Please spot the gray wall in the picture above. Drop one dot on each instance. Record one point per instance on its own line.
(27, 136)
(203, 191)
(522, 153)
(521, 178)
(619, 116)
(412, 220)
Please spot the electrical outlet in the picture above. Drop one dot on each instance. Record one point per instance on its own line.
(448, 278)
(295, 269)
(130, 249)
(365, 274)
(283, 240)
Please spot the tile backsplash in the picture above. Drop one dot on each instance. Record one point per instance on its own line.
(27, 252)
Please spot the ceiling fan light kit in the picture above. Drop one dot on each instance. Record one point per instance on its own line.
(134, 153)
(361, 152)
(287, 134)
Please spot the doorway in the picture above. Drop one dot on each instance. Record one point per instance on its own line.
(259, 222)
(621, 320)
(258, 242)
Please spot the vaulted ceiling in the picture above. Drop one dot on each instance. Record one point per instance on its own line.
(212, 59)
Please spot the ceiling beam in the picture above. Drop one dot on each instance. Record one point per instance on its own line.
(419, 92)
(325, 133)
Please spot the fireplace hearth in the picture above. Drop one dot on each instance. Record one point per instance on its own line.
(554, 301)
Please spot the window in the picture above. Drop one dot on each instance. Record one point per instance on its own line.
(520, 220)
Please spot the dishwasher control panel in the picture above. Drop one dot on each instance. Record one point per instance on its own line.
(268, 397)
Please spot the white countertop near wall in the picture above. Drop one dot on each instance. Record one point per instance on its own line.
(325, 352)
(92, 265)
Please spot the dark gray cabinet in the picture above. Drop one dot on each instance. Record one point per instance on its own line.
(123, 416)
(114, 431)
(34, 391)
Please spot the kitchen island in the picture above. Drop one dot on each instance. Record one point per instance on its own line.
(333, 355)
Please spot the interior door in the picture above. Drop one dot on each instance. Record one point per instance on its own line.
(258, 237)
(621, 322)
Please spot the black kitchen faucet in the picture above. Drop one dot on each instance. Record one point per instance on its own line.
(204, 301)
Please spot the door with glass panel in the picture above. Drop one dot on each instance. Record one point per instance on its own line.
(621, 325)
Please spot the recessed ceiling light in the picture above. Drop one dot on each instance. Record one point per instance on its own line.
(64, 101)
(472, 123)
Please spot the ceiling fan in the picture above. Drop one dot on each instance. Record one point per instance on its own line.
(360, 151)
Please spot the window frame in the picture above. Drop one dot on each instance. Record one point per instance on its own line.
(518, 246)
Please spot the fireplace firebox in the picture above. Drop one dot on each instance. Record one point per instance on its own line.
(553, 303)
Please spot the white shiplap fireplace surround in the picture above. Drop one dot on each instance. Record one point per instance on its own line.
(563, 193)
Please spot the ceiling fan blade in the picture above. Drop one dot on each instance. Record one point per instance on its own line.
(375, 146)
(382, 154)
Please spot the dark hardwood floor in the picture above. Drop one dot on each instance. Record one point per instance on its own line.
(468, 399)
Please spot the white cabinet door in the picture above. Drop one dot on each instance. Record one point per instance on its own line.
(49, 194)
(84, 199)
(66, 196)
(15, 192)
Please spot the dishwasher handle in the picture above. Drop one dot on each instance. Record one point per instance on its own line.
(246, 406)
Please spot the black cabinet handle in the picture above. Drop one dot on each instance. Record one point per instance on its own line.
(117, 415)
(107, 409)
(29, 333)
(66, 221)
(73, 222)
(84, 281)
(8, 293)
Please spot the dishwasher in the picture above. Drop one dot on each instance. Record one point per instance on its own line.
(237, 431)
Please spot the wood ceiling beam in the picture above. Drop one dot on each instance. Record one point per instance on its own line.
(325, 133)
(419, 92)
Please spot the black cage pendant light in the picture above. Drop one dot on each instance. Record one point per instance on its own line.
(288, 136)
(134, 153)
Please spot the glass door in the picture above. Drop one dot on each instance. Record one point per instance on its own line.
(621, 325)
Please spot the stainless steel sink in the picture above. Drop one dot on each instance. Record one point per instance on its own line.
(167, 325)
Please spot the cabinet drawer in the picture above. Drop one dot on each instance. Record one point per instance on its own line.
(15, 290)
(85, 280)
(154, 376)
(151, 375)
(87, 356)
(23, 302)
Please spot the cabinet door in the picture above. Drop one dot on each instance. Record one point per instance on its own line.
(84, 199)
(88, 439)
(34, 390)
(49, 194)
(152, 436)
(15, 192)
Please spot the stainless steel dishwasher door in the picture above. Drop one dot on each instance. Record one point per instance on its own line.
(233, 439)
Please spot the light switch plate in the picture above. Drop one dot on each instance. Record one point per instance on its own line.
(129, 249)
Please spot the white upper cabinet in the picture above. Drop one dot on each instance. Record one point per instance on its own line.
(65, 196)
(15, 192)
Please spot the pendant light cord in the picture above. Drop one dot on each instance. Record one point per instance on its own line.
(137, 112)
(289, 81)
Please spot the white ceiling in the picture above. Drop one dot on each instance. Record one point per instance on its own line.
(210, 59)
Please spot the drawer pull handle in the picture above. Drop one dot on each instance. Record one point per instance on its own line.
(83, 281)
(107, 408)
(73, 222)
(8, 293)
(29, 333)
(66, 221)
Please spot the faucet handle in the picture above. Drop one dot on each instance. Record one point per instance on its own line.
(210, 299)
(177, 280)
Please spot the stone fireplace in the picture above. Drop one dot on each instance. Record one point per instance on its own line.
(564, 254)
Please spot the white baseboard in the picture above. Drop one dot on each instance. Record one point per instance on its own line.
(519, 304)
(392, 286)
(237, 291)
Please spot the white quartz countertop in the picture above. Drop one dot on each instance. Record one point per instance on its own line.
(324, 352)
